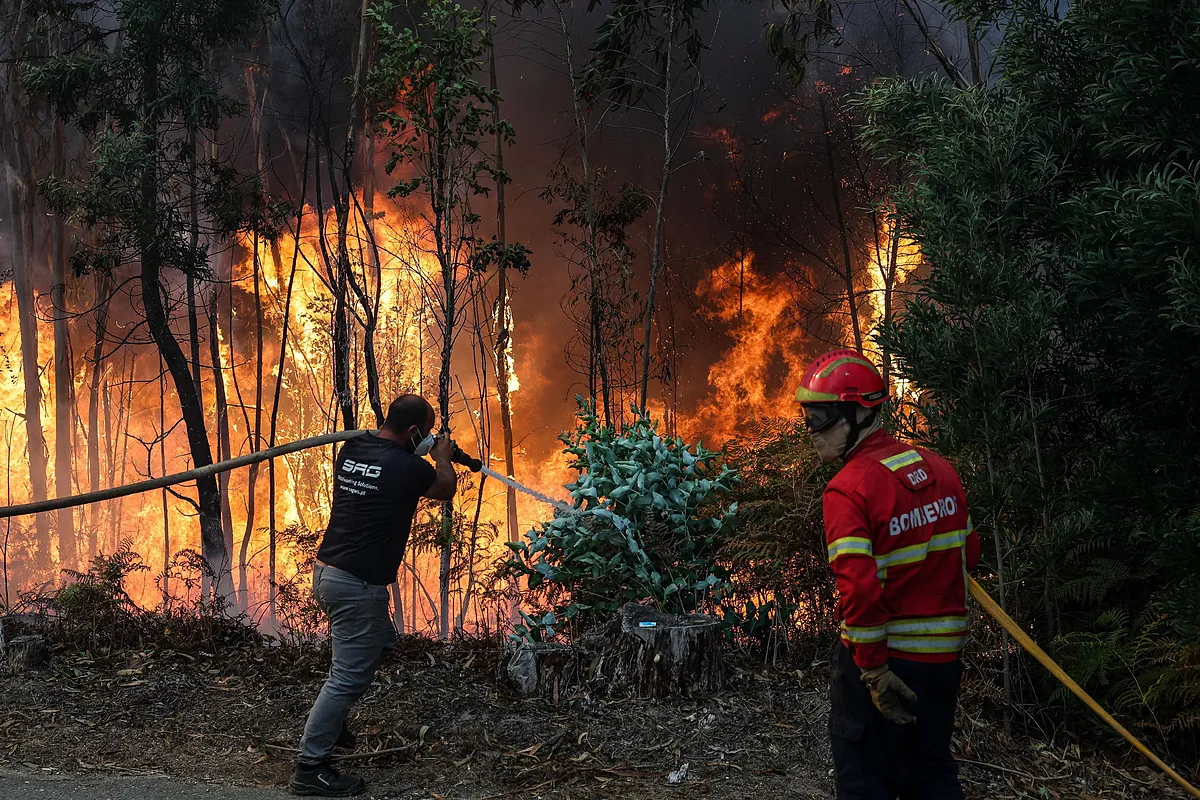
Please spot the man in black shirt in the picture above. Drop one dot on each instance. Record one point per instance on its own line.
(378, 480)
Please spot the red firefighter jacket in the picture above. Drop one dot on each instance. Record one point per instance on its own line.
(900, 543)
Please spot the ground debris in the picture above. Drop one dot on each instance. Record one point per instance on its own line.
(435, 723)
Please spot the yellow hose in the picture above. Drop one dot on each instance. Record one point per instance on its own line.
(998, 613)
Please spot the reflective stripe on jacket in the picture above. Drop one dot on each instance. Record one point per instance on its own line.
(900, 542)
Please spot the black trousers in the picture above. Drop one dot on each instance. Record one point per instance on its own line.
(879, 760)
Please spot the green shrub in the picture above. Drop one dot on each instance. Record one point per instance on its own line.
(646, 525)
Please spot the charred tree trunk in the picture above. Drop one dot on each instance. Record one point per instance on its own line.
(103, 287)
(279, 369)
(504, 335)
(641, 652)
(224, 448)
(447, 537)
(20, 198)
(213, 545)
(64, 379)
(212, 539)
(660, 207)
(194, 223)
(848, 263)
(252, 471)
(597, 359)
(646, 653)
(162, 455)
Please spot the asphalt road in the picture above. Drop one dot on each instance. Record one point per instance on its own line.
(44, 785)
(30, 783)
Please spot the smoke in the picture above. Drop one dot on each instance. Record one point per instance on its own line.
(749, 207)
(755, 121)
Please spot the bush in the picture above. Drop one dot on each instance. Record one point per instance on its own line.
(781, 587)
(94, 614)
(647, 526)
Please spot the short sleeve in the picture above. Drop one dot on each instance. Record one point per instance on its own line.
(419, 477)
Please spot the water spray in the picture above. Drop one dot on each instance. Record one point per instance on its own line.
(520, 487)
(475, 465)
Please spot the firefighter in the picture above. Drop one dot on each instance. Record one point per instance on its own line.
(900, 542)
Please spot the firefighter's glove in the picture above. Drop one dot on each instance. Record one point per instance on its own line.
(886, 691)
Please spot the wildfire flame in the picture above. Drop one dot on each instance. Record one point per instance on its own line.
(755, 376)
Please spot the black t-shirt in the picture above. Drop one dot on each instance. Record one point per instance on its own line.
(376, 486)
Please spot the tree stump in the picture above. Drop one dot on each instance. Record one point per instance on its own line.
(538, 668)
(24, 653)
(646, 653)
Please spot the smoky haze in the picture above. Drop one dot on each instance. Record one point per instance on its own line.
(752, 116)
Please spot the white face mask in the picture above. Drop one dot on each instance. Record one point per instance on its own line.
(831, 442)
(425, 445)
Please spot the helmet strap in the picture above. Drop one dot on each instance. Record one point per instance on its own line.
(857, 428)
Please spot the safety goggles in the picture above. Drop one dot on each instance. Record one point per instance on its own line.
(821, 416)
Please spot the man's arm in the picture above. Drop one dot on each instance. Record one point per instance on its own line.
(446, 483)
(851, 555)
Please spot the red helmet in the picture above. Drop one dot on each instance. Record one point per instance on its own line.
(842, 376)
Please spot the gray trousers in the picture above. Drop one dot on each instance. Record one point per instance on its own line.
(361, 631)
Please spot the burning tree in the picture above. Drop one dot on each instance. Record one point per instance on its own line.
(436, 128)
(647, 61)
(143, 101)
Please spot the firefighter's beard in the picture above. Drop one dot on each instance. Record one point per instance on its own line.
(831, 442)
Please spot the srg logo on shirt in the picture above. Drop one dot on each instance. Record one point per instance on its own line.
(359, 468)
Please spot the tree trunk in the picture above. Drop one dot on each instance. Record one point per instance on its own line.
(194, 224)
(848, 275)
(283, 343)
(640, 653)
(447, 537)
(64, 379)
(103, 288)
(212, 542)
(646, 653)
(444, 236)
(504, 339)
(162, 454)
(212, 539)
(19, 199)
(124, 405)
(596, 357)
(222, 402)
(656, 253)
(252, 471)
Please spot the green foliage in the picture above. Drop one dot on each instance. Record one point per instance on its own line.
(93, 613)
(138, 103)
(806, 24)
(99, 594)
(635, 47)
(647, 525)
(439, 113)
(1055, 333)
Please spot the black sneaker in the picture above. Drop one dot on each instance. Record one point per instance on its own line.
(324, 781)
(346, 740)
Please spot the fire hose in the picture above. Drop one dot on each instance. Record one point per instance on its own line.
(475, 465)
(42, 506)
(997, 613)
